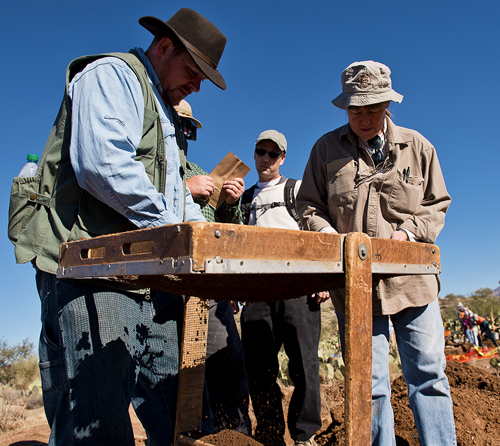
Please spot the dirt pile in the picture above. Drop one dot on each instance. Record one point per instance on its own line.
(475, 390)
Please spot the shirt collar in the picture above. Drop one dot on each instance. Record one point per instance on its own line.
(149, 69)
(155, 81)
(263, 185)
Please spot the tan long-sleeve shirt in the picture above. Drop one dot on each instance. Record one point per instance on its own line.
(339, 190)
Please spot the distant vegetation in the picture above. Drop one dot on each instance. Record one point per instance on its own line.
(19, 383)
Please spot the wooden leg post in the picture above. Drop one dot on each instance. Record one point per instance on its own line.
(358, 339)
(193, 353)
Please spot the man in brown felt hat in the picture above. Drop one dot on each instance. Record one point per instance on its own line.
(115, 161)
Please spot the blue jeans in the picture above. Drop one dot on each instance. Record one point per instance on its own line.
(420, 339)
(101, 349)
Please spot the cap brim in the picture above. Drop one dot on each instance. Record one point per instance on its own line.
(155, 25)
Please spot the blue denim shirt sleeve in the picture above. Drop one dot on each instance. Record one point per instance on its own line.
(193, 211)
(107, 120)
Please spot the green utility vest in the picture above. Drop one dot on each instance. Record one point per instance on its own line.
(51, 208)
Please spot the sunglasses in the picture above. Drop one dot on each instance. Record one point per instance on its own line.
(189, 128)
(272, 155)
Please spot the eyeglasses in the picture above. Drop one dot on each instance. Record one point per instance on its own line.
(272, 155)
(381, 168)
(189, 128)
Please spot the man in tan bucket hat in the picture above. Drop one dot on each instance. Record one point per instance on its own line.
(375, 177)
(115, 161)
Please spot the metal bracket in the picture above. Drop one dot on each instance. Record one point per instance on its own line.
(247, 266)
(181, 265)
(405, 269)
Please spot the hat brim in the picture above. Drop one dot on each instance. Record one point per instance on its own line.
(198, 123)
(345, 100)
(157, 26)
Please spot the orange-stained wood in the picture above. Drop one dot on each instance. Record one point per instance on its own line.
(201, 241)
(358, 339)
(397, 252)
(192, 367)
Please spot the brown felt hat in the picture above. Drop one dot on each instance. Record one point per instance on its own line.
(201, 38)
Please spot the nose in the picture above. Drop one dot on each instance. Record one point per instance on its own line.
(365, 117)
(196, 83)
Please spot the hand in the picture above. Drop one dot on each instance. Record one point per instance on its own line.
(321, 297)
(201, 186)
(234, 189)
(399, 235)
(236, 307)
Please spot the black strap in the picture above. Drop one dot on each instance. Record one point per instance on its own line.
(290, 200)
(246, 203)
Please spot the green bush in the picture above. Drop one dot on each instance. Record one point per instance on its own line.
(18, 364)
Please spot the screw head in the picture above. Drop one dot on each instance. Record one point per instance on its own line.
(363, 251)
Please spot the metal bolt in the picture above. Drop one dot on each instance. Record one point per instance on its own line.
(218, 259)
(363, 251)
(218, 233)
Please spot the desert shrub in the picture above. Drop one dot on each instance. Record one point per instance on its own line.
(283, 375)
(34, 399)
(18, 364)
(11, 409)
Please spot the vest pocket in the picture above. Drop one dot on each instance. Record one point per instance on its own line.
(24, 201)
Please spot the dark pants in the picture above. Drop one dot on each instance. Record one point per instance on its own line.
(225, 371)
(265, 327)
(485, 328)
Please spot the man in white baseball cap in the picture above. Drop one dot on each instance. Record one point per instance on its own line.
(294, 323)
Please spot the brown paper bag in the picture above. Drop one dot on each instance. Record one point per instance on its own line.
(230, 167)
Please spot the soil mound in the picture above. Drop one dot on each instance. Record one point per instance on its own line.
(475, 389)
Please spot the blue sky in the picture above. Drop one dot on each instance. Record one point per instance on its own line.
(282, 66)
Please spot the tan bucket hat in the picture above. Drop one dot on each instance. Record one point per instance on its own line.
(201, 38)
(184, 111)
(274, 136)
(366, 83)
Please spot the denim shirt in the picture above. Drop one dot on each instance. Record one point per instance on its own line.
(106, 129)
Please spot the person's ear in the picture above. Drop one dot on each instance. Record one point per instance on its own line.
(164, 46)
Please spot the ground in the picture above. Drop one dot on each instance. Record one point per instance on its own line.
(475, 388)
